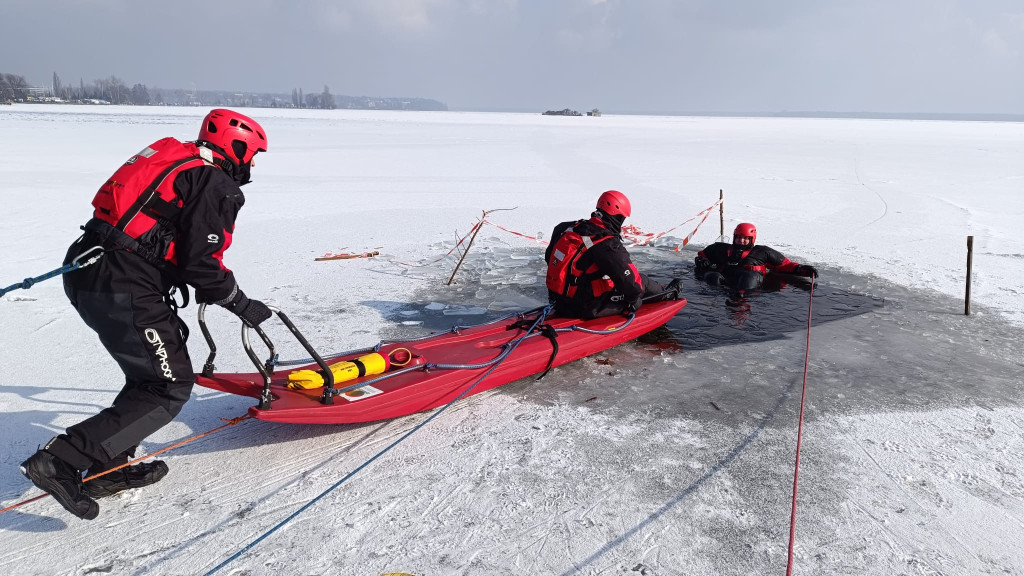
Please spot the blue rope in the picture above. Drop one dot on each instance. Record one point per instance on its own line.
(501, 355)
(505, 351)
(29, 282)
(236, 555)
(75, 264)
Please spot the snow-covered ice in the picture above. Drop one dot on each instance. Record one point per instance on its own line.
(670, 455)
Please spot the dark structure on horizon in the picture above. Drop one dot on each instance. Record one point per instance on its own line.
(570, 112)
(565, 112)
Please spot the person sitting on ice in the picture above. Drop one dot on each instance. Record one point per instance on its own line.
(590, 273)
(743, 265)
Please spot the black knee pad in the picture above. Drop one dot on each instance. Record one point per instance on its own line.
(747, 280)
(714, 278)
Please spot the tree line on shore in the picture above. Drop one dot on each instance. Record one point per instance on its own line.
(113, 90)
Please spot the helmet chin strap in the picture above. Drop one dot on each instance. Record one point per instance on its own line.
(240, 174)
(612, 222)
(739, 251)
(243, 174)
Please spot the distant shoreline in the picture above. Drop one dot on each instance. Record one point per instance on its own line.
(974, 117)
(859, 115)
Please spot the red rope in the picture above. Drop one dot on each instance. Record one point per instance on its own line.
(230, 422)
(799, 433)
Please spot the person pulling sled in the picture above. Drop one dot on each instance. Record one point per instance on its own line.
(163, 221)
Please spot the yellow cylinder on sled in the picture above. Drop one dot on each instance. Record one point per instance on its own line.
(369, 364)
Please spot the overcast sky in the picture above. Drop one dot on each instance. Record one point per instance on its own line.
(929, 56)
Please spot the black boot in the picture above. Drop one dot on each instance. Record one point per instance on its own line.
(62, 481)
(674, 288)
(134, 476)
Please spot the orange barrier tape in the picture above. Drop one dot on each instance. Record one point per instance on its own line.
(690, 236)
(635, 235)
(705, 212)
(537, 240)
(346, 256)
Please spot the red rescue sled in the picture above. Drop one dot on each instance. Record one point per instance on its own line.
(428, 377)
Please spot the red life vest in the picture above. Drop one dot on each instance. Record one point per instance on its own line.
(564, 275)
(140, 195)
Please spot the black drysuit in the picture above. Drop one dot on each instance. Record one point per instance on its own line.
(607, 260)
(740, 267)
(124, 298)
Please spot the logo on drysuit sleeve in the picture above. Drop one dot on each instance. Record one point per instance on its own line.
(161, 352)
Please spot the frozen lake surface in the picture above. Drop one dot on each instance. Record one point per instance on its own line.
(669, 455)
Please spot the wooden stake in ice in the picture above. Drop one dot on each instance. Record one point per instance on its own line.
(967, 296)
(721, 213)
(479, 225)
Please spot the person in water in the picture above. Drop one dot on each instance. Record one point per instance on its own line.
(744, 264)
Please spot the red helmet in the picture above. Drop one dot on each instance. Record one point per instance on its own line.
(745, 229)
(614, 203)
(238, 136)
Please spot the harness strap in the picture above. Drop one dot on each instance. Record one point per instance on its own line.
(359, 366)
(185, 299)
(111, 237)
(172, 303)
(546, 330)
(150, 199)
(573, 280)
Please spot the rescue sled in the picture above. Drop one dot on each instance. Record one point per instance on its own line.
(399, 378)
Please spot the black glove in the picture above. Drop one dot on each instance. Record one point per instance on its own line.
(806, 270)
(252, 312)
(674, 288)
(703, 264)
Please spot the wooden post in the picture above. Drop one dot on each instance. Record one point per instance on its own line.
(967, 296)
(468, 246)
(721, 213)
